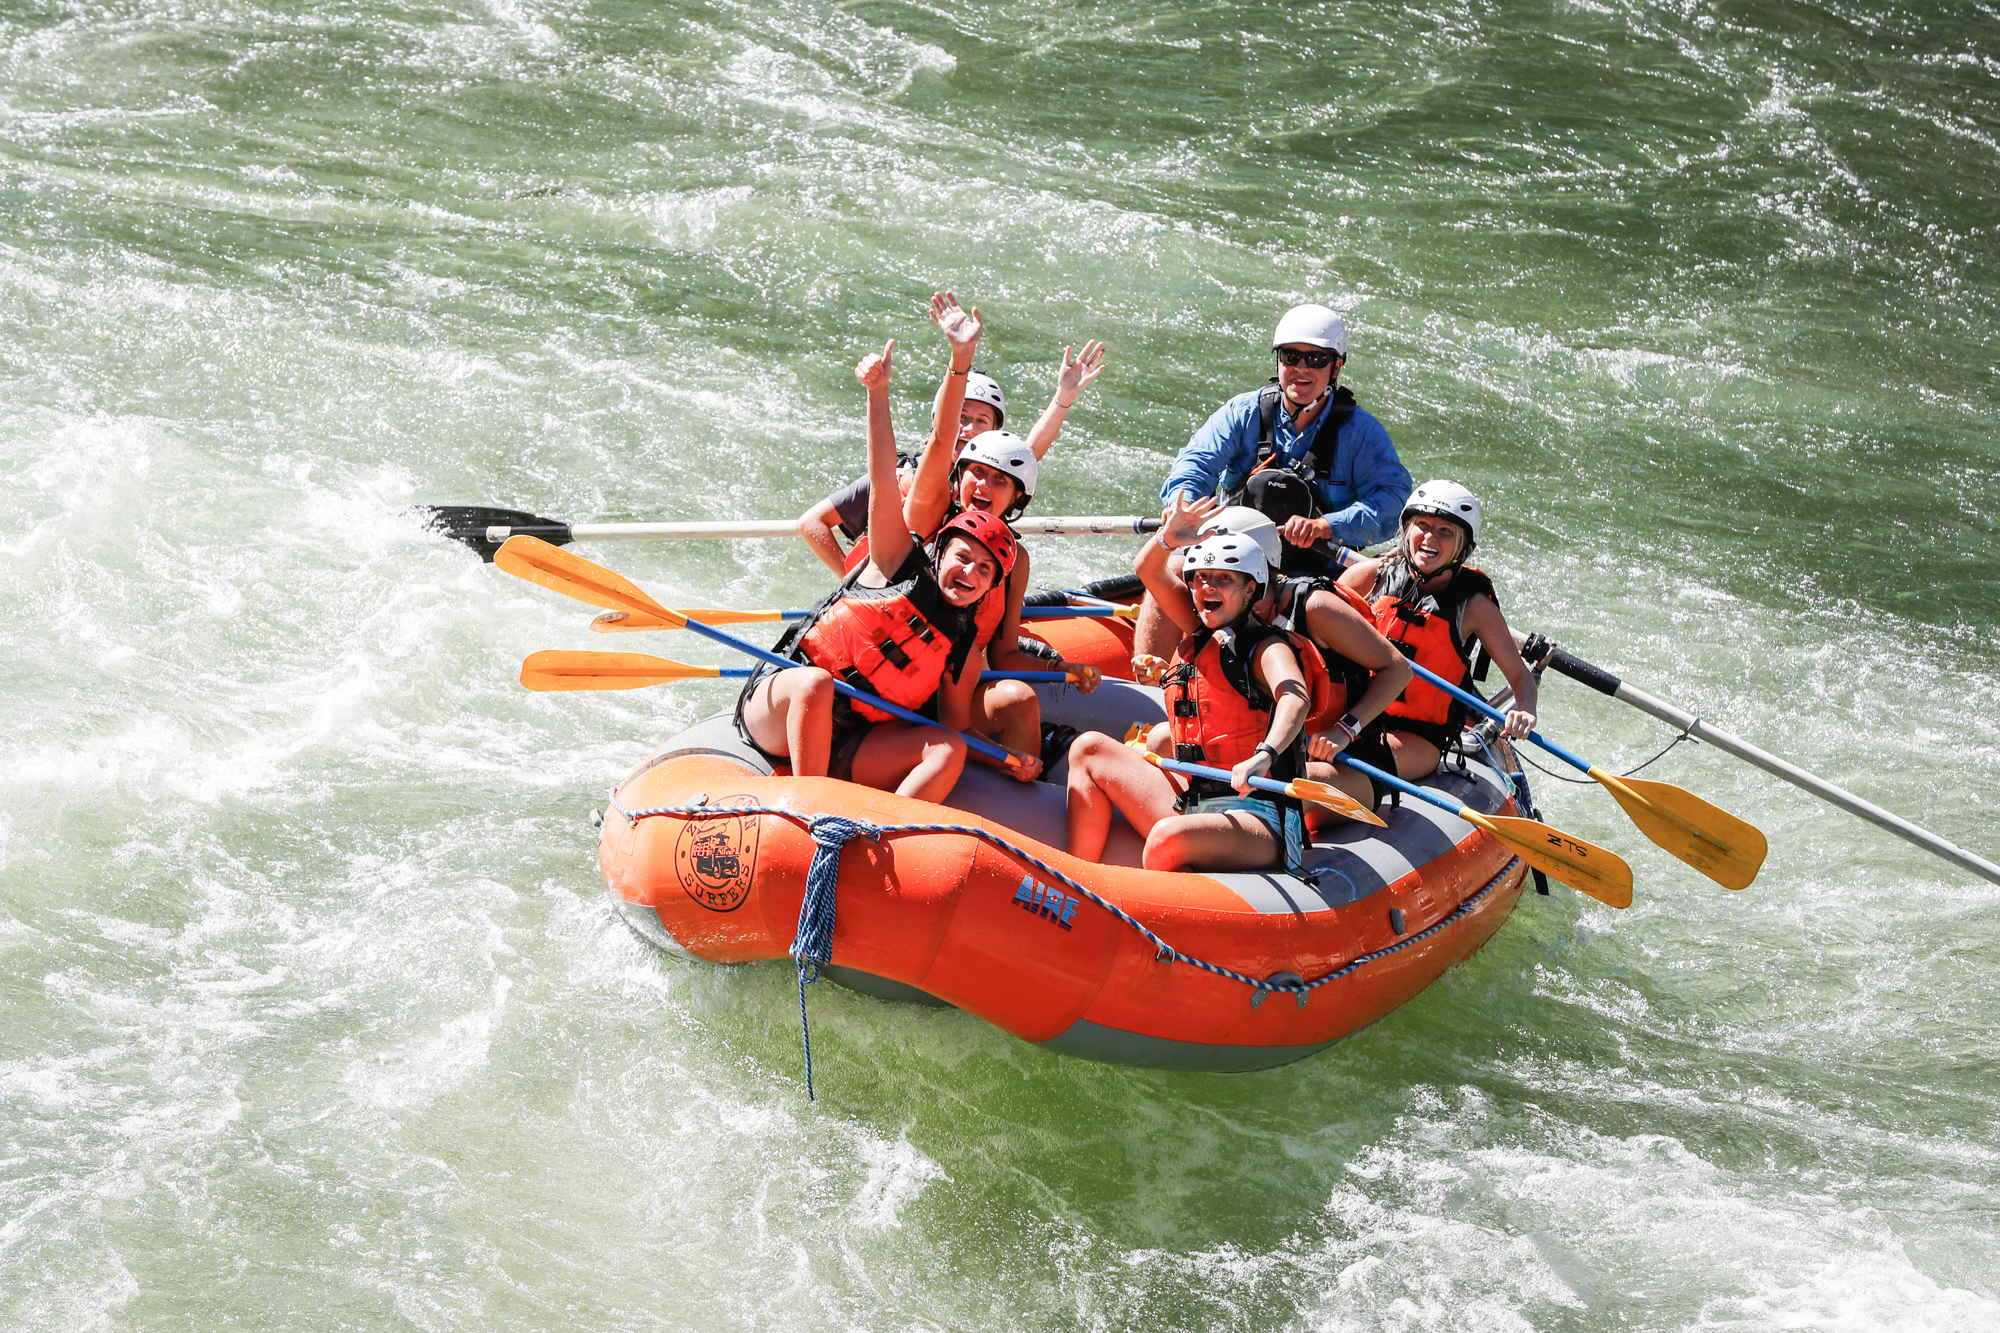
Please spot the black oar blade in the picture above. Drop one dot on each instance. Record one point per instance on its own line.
(468, 524)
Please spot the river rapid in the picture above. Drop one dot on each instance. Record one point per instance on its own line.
(315, 1014)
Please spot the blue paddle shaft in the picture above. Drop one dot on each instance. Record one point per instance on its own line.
(982, 745)
(1480, 706)
(1437, 799)
(1101, 609)
(1219, 774)
(1032, 677)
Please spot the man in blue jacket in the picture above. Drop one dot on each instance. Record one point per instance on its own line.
(1300, 450)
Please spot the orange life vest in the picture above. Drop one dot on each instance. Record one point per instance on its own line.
(989, 611)
(1347, 680)
(896, 642)
(1427, 628)
(1218, 712)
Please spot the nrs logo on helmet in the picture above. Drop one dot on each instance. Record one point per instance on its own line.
(1445, 499)
(1258, 526)
(1229, 552)
(1007, 453)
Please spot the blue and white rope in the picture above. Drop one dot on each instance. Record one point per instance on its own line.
(813, 945)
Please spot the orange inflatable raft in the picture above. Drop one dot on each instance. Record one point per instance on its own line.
(975, 903)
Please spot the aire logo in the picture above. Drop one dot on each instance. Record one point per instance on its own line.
(1049, 903)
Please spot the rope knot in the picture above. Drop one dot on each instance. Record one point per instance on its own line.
(813, 945)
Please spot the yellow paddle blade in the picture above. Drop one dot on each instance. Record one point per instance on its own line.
(612, 621)
(1718, 844)
(535, 560)
(557, 669)
(1592, 870)
(1321, 793)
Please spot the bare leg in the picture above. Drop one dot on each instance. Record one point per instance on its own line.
(1415, 757)
(1346, 779)
(1009, 711)
(791, 713)
(923, 762)
(1229, 840)
(1106, 776)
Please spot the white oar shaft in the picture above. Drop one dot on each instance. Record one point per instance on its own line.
(1059, 526)
(1798, 777)
(1606, 683)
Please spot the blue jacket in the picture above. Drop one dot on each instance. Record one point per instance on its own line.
(1362, 497)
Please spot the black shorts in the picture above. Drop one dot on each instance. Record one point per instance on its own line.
(845, 743)
(1372, 747)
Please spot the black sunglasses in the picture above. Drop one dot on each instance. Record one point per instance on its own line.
(1317, 360)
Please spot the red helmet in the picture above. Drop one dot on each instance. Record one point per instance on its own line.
(989, 532)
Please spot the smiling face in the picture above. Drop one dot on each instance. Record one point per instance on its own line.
(1220, 595)
(984, 487)
(966, 571)
(1432, 542)
(975, 419)
(1301, 384)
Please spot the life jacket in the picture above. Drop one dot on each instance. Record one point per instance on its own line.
(988, 612)
(1218, 712)
(1282, 491)
(1428, 629)
(896, 642)
(1347, 680)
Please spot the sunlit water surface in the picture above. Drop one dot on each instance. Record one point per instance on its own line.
(315, 1014)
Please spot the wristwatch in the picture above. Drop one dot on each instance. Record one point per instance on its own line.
(1350, 724)
(1267, 748)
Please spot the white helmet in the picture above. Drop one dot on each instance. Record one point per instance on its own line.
(1005, 452)
(983, 388)
(1254, 524)
(1313, 325)
(1227, 550)
(1446, 499)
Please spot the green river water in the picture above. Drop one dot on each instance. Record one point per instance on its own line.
(315, 1015)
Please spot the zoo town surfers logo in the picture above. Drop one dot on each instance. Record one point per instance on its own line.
(716, 859)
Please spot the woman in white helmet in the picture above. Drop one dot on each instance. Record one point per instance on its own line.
(968, 404)
(996, 473)
(1238, 696)
(1439, 611)
(1368, 674)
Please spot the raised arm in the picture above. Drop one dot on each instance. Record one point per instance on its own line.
(1075, 376)
(930, 489)
(1180, 526)
(888, 537)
